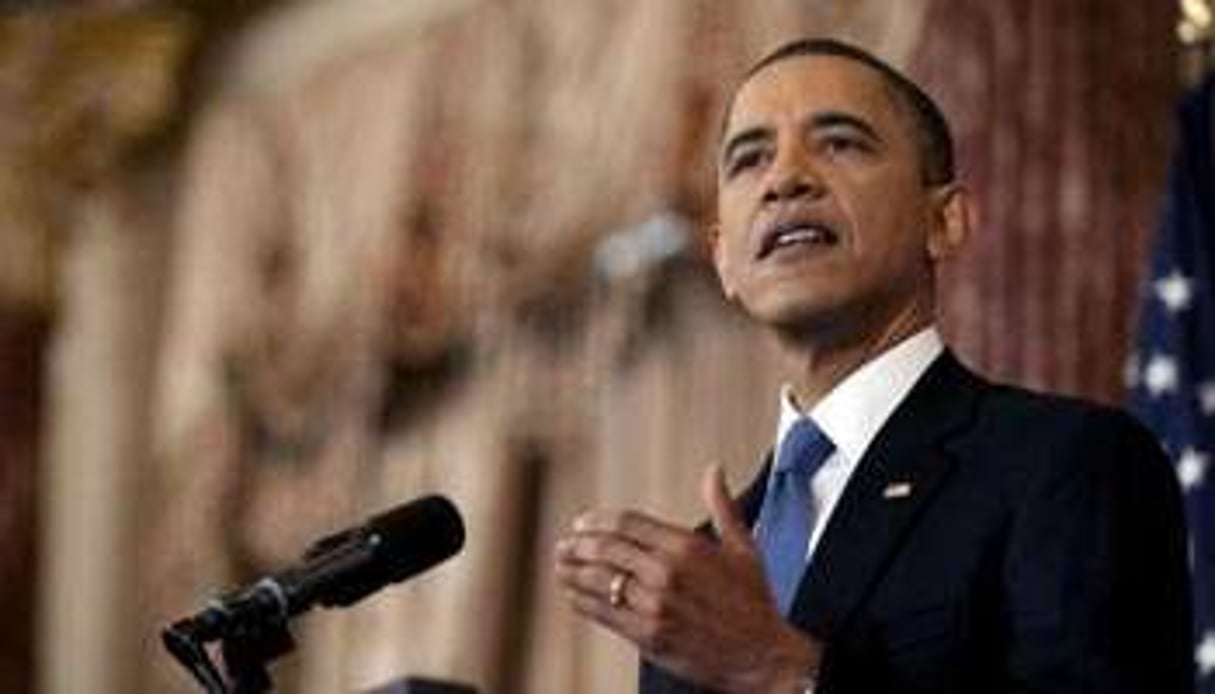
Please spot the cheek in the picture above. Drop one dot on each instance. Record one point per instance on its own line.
(730, 210)
(889, 225)
(890, 246)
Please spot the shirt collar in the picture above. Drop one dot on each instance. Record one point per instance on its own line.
(856, 408)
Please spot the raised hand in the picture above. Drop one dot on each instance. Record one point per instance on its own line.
(699, 608)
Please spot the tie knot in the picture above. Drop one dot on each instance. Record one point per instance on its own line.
(803, 449)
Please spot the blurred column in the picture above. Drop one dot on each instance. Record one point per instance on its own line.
(99, 387)
(87, 94)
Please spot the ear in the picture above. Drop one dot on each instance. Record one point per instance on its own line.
(720, 262)
(951, 221)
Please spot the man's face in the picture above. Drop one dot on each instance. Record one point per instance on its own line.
(825, 223)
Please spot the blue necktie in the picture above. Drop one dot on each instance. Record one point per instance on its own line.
(786, 519)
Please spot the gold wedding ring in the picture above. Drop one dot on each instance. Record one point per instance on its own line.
(616, 589)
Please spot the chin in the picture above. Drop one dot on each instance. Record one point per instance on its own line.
(802, 316)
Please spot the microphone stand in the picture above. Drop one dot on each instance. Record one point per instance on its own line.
(247, 652)
(250, 624)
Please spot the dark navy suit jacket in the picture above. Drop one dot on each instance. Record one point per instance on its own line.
(1041, 549)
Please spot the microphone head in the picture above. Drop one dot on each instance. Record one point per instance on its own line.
(403, 541)
(417, 535)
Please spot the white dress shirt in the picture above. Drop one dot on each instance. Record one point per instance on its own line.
(852, 414)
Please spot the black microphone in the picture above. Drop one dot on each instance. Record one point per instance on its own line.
(336, 571)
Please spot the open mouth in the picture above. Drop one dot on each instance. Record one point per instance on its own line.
(794, 234)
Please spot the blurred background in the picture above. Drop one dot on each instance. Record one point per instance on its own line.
(269, 266)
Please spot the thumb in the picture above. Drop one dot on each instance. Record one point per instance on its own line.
(730, 525)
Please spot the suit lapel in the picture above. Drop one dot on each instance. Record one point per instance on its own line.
(897, 477)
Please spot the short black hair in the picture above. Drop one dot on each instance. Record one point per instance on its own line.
(933, 137)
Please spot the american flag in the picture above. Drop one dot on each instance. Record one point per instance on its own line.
(1171, 373)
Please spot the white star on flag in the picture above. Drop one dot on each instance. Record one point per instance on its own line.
(1160, 376)
(1191, 468)
(1206, 397)
(1174, 291)
(1205, 654)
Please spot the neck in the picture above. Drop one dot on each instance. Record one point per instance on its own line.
(818, 362)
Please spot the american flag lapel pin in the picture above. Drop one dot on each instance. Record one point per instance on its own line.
(897, 490)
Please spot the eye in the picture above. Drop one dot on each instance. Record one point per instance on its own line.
(745, 160)
(837, 144)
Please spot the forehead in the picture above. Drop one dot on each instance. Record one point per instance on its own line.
(801, 85)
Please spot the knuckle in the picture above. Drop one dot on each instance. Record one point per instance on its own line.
(685, 550)
(664, 606)
(594, 548)
(664, 578)
(663, 611)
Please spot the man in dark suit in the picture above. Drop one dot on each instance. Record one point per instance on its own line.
(916, 529)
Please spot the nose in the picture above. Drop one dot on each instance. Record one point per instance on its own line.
(790, 187)
(793, 176)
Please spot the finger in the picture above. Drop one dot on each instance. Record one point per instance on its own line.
(621, 620)
(730, 525)
(592, 580)
(613, 552)
(645, 531)
(589, 588)
(595, 582)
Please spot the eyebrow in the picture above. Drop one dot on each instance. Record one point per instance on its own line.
(819, 121)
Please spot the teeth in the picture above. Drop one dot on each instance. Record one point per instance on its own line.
(792, 233)
(801, 235)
